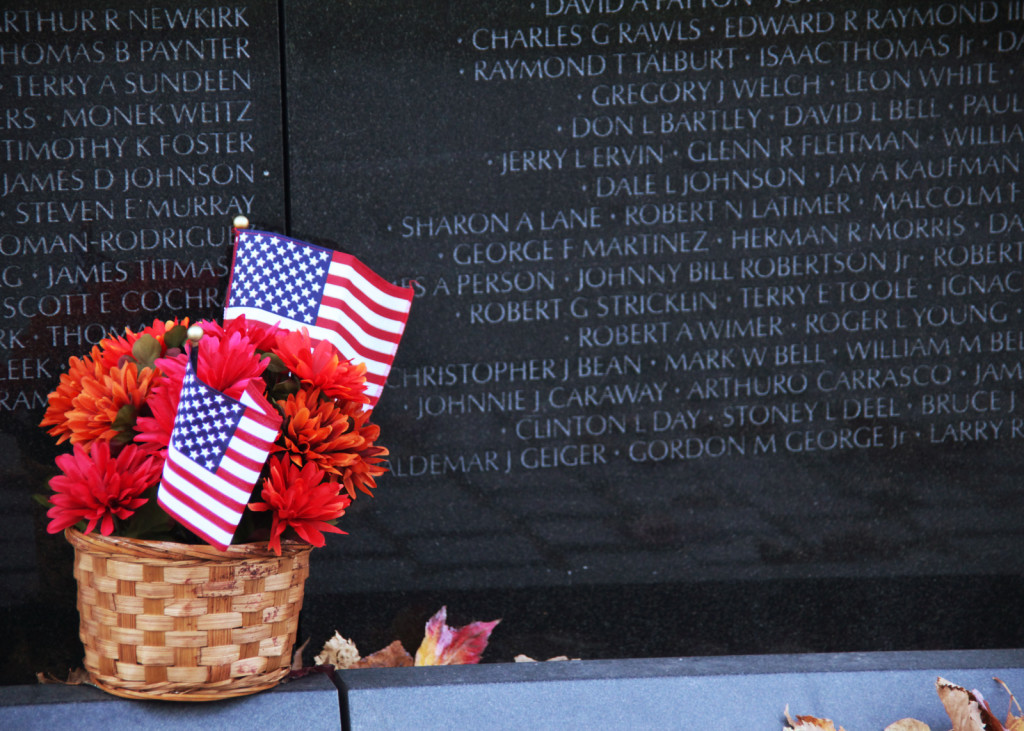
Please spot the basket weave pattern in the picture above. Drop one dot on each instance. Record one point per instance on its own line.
(180, 622)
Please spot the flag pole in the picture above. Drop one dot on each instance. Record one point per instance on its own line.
(194, 334)
(237, 225)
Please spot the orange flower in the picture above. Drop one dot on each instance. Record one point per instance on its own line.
(70, 386)
(302, 500)
(322, 367)
(98, 488)
(369, 457)
(335, 436)
(107, 404)
(318, 431)
(87, 404)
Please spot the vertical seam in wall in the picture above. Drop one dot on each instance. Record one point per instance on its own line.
(285, 161)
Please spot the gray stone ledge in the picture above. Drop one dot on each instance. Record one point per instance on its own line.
(861, 691)
(310, 703)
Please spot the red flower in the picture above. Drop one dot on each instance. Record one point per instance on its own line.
(230, 364)
(300, 499)
(227, 363)
(263, 337)
(98, 488)
(321, 367)
(117, 347)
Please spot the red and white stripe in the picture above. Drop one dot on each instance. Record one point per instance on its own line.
(211, 503)
(364, 317)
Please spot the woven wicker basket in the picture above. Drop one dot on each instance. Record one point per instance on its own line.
(169, 621)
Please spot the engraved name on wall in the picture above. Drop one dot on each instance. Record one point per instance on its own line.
(769, 228)
(130, 137)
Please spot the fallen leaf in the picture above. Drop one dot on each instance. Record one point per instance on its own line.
(966, 709)
(908, 724)
(444, 645)
(809, 723)
(392, 656)
(297, 655)
(339, 652)
(306, 671)
(78, 676)
(1013, 723)
(527, 658)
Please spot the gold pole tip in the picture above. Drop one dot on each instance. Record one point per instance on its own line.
(241, 222)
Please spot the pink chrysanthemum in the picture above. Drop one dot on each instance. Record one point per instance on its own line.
(228, 364)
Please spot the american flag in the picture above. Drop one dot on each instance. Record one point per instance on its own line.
(218, 447)
(282, 281)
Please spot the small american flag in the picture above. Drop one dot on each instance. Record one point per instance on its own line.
(218, 447)
(282, 281)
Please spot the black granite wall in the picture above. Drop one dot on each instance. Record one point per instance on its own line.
(716, 342)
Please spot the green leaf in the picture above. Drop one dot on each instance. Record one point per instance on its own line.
(146, 350)
(284, 389)
(125, 419)
(43, 500)
(149, 522)
(175, 337)
(276, 365)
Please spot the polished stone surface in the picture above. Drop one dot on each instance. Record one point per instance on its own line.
(393, 129)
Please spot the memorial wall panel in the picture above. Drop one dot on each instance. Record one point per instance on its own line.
(714, 298)
(131, 134)
(717, 338)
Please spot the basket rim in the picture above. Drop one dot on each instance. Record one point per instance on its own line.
(97, 542)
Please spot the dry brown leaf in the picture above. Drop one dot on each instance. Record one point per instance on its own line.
(338, 651)
(1013, 723)
(810, 723)
(297, 655)
(559, 658)
(392, 656)
(78, 676)
(966, 713)
(908, 724)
